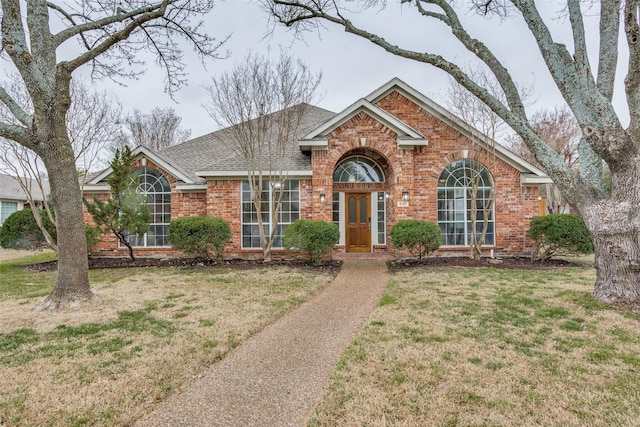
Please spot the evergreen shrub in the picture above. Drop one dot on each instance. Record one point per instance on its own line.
(417, 236)
(20, 230)
(313, 237)
(200, 236)
(559, 234)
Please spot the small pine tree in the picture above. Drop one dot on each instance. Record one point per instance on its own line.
(126, 212)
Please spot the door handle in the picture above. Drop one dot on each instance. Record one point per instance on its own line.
(369, 224)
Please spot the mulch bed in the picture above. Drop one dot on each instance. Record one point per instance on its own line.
(328, 266)
(505, 262)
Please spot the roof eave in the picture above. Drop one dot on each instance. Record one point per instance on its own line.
(221, 174)
(317, 138)
(411, 143)
(143, 152)
(196, 188)
(531, 180)
(313, 144)
(96, 188)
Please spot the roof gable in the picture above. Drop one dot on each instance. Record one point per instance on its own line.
(531, 174)
(96, 183)
(318, 138)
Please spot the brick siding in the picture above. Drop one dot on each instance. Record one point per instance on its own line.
(414, 170)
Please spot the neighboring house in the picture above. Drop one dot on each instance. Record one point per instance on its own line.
(13, 198)
(392, 155)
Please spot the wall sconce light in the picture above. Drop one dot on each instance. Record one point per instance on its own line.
(322, 198)
(387, 195)
(405, 196)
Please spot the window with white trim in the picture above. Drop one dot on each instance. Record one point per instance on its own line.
(358, 169)
(289, 212)
(381, 207)
(6, 209)
(455, 199)
(155, 187)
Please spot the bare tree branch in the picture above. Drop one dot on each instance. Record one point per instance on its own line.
(15, 109)
(608, 55)
(291, 13)
(580, 57)
(261, 104)
(632, 82)
(14, 42)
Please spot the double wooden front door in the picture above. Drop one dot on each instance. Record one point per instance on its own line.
(358, 227)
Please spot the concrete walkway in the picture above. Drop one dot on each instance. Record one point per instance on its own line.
(277, 377)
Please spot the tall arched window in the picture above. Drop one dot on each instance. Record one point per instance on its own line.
(456, 187)
(155, 186)
(358, 169)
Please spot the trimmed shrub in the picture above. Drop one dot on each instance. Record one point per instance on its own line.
(417, 236)
(200, 236)
(559, 234)
(315, 238)
(20, 230)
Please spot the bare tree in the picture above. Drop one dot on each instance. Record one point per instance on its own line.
(92, 123)
(157, 130)
(479, 116)
(559, 129)
(471, 109)
(262, 103)
(613, 219)
(111, 36)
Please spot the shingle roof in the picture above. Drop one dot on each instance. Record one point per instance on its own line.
(11, 190)
(210, 152)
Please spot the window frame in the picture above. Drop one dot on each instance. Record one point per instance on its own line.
(2, 204)
(454, 203)
(290, 210)
(156, 209)
(361, 162)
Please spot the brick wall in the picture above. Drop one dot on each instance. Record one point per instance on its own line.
(417, 171)
(414, 170)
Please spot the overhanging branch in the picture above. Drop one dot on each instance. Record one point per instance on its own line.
(15, 109)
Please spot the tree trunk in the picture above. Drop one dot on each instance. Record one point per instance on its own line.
(615, 231)
(72, 283)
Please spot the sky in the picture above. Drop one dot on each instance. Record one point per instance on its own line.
(353, 67)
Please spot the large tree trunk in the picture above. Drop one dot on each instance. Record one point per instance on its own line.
(615, 230)
(72, 283)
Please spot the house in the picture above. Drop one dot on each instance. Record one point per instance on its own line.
(392, 155)
(13, 196)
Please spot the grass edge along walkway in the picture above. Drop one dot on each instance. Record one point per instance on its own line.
(277, 377)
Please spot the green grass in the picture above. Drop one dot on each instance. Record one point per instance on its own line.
(148, 333)
(488, 346)
(26, 345)
(17, 282)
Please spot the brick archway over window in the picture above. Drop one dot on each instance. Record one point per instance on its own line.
(372, 155)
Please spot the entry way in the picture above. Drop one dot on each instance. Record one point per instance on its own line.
(358, 227)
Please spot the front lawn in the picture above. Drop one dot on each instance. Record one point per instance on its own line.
(151, 331)
(489, 347)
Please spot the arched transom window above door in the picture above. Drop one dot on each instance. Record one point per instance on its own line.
(357, 169)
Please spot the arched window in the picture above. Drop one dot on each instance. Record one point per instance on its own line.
(358, 169)
(456, 187)
(155, 186)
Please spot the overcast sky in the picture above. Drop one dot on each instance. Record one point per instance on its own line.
(353, 67)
